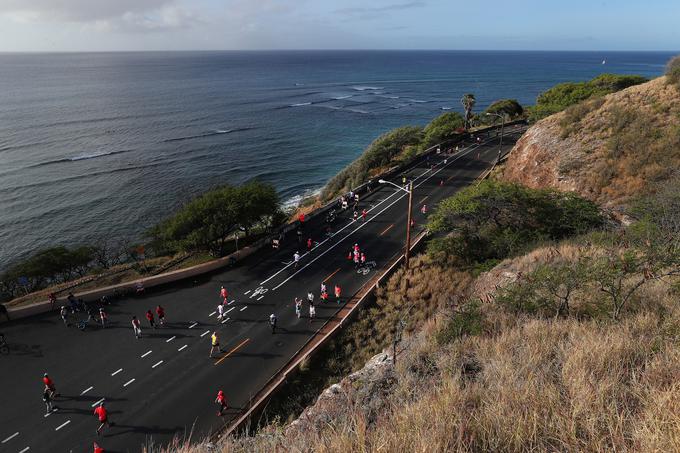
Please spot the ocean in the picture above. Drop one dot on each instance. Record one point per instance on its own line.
(96, 147)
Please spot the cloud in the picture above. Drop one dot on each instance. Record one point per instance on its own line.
(374, 12)
(127, 15)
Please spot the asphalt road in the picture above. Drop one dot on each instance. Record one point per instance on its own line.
(163, 386)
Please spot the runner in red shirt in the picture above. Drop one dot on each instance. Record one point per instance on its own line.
(363, 215)
(49, 384)
(224, 294)
(149, 317)
(309, 244)
(102, 415)
(97, 448)
(160, 311)
(338, 292)
(222, 401)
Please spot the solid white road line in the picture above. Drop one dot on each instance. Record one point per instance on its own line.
(229, 310)
(146, 353)
(205, 333)
(86, 390)
(116, 372)
(212, 313)
(129, 382)
(96, 403)
(10, 437)
(25, 450)
(170, 339)
(62, 425)
(183, 347)
(193, 325)
(157, 363)
(399, 198)
(243, 308)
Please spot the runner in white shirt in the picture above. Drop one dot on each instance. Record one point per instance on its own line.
(296, 259)
(220, 311)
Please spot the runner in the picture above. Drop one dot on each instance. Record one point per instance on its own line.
(338, 292)
(222, 401)
(363, 259)
(323, 287)
(312, 313)
(64, 315)
(299, 235)
(356, 260)
(364, 213)
(215, 343)
(296, 259)
(49, 385)
(309, 244)
(53, 300)
(149, 317)
(350, 255)
(136, 327)
(272, 322)
(310, 297)
(356, 248)
(324, 296)
(423, 210)
(103, 317)
(97, 448)
(355, 216)
(220, 311)
(47, 398)
(224, 294)
(160, 311)
(103, 415)
(298, 307)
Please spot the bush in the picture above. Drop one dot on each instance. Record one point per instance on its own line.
(494, 220)
(673, 71)
(443, 128)
(380, 153)
(464, 321)
(563, 95)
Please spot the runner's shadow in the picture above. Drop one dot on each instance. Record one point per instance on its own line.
(21, 349)
(126, 429)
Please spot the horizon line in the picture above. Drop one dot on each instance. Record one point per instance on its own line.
(328, 50)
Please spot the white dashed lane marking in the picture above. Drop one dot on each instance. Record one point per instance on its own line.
(116, 372)
(182, 348)
(212, 313)
(229, 310)
(62, 425)
(24, 450)
(246, 293)
(157, 363)
(170, 339)
(86, 390)
(96, 403)
(146, 353)
(231, 302)
(205, 333)
(226, 320)
(243, 308)
(129, 382)
(10, 437)
(193, 325)
(261, 297)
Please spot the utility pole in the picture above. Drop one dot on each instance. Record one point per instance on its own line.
(409, 191)
(500, 147)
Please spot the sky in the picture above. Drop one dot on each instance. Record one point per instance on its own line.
(137, 25)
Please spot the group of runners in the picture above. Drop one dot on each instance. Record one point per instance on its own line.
(150, 318)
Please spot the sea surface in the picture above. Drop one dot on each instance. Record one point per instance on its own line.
(95, 147)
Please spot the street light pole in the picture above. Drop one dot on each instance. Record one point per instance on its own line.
(500, 147)
(409, 191)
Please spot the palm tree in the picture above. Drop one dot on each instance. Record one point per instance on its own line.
(468, 102)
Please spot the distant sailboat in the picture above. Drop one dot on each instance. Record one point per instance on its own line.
(604, 61)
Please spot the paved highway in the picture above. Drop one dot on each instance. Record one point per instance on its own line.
(163, 385)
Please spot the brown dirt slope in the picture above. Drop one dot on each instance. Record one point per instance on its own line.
(608, 149)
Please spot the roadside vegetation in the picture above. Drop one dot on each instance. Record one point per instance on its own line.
(564, 95)
(204, 228)
(673, 72)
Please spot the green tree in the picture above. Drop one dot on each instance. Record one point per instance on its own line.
(509, 108)
(443, 128)
(468, 100)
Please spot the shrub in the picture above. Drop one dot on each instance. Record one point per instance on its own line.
(380, 153)
(509, 108)
(443, 128)
(673, 71)
(563, 95)
(463, 321)
(494, 220)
